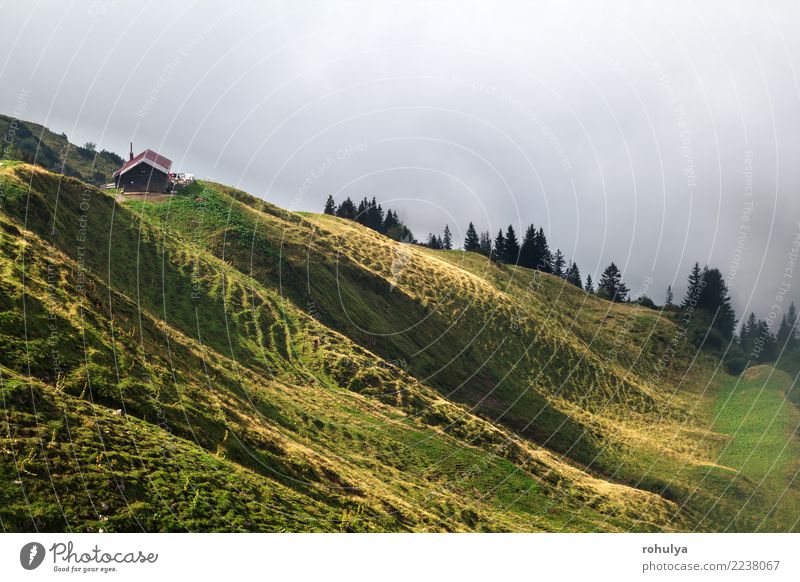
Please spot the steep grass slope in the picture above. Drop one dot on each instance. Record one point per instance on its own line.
(213, 362)
(525, 350)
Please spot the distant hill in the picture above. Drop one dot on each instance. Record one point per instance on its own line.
(211, 362)
(34, 143)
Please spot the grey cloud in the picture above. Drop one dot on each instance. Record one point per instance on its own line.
(623, 129)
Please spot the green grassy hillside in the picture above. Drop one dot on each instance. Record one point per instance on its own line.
(36, 144)
(213, 362)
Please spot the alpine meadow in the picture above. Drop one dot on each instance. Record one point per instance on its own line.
(207, 361)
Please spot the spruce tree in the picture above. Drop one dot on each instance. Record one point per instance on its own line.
(499, 247)
(330, 205)
(786, 338)
(347, 209)
(791, 319)
(544, 260)
(694, 287)
(764, 343)
(669, 298)
(512, 247)
(559, 264)
(714, 299)
(361, 211)
(589, 288)
(390, 221)
(611, 286)
(747, 333)
(574, 275)
(471, 242)
(485, 244)
(435, 242)
(527, 251)
(374, 215)
(447, 239)
(784, 330)
(787, 332)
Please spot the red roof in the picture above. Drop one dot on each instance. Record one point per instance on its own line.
(148, 157)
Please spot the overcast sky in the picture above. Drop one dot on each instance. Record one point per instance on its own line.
(638, 134)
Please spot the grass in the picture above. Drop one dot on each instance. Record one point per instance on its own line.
(762, 446)
(754, 410)
(309, 365)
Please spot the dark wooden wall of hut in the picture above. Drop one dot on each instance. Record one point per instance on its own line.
(143, 178)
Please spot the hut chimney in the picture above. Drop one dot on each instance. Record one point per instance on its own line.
(131, 154)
